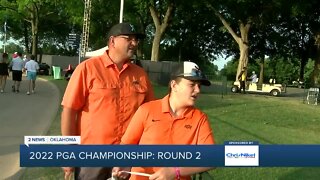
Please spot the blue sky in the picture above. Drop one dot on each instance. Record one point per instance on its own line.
(220, 62)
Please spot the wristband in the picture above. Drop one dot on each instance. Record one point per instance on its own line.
(177, 173)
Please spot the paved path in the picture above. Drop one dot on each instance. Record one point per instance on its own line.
(21, 115)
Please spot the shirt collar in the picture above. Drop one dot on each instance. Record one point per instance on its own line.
(108, 62)
(166, 107)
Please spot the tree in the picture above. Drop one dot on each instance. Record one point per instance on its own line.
(298, 25)
(31, 16)
(104, 15)
(193, 35)
(243, 15)
(308, 14)
(161, 23)
(161, 13)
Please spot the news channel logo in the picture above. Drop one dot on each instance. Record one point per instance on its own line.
(241, 155)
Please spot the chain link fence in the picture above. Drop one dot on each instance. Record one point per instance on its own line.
(219, 85)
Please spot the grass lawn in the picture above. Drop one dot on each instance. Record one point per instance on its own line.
(269, 120)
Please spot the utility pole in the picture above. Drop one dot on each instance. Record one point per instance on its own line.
(121, 11)
(86, 26)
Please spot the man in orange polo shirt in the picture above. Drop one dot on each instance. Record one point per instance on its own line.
(171, 120)
(103, 94)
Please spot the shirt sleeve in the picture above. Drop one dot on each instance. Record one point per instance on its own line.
(76, 92)
(135, 128)
(205, 133)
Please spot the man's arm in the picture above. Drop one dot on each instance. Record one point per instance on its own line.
(69, 127)
(69, 122)
(239, 76)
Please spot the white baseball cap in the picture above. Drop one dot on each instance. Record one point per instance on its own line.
(191, 71)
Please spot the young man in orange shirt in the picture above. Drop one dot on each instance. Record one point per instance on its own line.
(171, 120)
(103, 94)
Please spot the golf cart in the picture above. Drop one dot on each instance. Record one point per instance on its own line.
(271, 88)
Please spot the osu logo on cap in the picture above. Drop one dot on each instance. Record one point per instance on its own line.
(132, 28)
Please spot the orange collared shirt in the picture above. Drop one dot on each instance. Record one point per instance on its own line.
(106, 98)
(153, 124)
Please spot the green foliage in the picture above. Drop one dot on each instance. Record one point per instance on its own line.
(11, 48)
(308, 73)
(284, 71)
(230, 70)
(22, 16)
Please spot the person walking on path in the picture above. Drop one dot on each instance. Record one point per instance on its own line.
(17, 65)
(31, 67)
(102, 95)
(4, 71)
(171, 120)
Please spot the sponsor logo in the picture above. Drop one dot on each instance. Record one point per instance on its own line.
(241, 155)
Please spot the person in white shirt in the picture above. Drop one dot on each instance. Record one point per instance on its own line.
(253, 77)
(17, 66)
(32, 67)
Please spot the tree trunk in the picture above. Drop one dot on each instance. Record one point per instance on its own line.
(34, 45)
(315, 78)
(160, 29)
(303, 62)
(243, 47)
(26, 37)
(243, 60)
(155, 47)
(241, 41)
(34, 29)
(261, 64)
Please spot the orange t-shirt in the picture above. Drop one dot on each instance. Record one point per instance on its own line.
(106, 98)
(153, 124)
